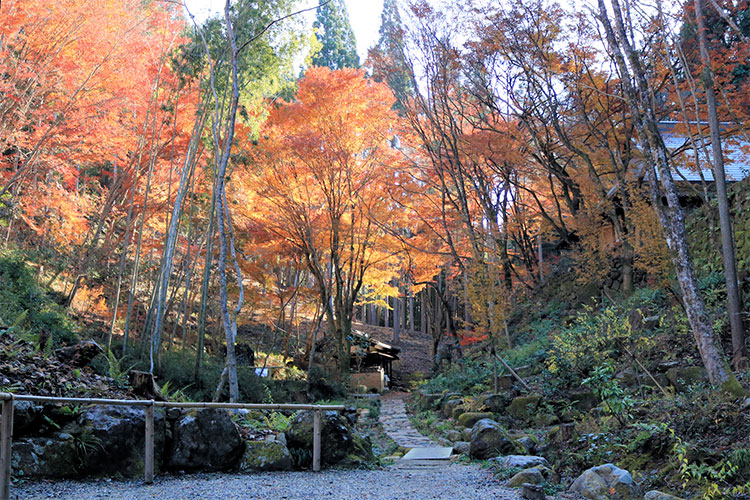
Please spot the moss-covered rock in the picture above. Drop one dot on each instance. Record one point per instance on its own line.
(523, 408)
(545, 419)
(489, 439)
(533, 475)
(451, 405)
(494, 403)
(468, 419)
(683, 377)
(265, 456)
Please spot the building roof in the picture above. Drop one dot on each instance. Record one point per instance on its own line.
(736, 153)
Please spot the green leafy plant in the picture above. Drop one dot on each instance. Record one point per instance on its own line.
(617, 402)
(115, 370)
(179, 395)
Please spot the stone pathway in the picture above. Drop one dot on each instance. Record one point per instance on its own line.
(425, 455)
(397, 424)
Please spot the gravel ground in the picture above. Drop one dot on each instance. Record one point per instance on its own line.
(449, 482)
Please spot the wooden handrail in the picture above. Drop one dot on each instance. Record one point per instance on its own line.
(6, 427)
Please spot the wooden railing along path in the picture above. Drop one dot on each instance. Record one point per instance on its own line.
(6, 427)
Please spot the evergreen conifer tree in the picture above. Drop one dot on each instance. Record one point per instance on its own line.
(387, 57)
(339, 48)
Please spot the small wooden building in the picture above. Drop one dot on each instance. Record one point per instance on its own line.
(369, 355)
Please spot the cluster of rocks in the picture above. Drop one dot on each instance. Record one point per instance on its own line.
(485, 436)
(109, 440)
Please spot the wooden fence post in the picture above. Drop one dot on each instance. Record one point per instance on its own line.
(6, 436)
(316, 440)
(149, 445)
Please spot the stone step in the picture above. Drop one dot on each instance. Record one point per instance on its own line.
(429, 453)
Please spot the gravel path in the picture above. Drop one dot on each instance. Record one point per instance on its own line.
(453, 482)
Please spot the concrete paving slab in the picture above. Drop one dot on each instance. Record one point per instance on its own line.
(433, 453)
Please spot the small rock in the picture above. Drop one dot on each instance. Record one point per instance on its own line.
(658, 495)
(528, 443)
(520, 461)
(461, 447)
(533, 475)
(454, 435)
(532, 492)
(79, 355)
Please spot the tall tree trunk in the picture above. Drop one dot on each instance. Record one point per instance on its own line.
(725, 222)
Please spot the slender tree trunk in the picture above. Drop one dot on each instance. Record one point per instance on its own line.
(397, 318)
(725, 221)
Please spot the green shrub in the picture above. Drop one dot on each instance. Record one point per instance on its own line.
(464, 376)
(595, 338)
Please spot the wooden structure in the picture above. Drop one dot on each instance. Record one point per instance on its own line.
(6, 426)
(368, 353)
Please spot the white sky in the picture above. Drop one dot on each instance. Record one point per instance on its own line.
(364, 16)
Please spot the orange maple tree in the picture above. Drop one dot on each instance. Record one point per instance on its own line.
(320, 185)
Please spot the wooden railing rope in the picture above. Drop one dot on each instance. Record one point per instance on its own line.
(6, 427)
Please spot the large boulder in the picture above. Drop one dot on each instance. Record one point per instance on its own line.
(264, 456)
(606, 482)
(113, 439)
(205, 439)
(336, 438)
(488, 440)
(468, 419)
(46, 457)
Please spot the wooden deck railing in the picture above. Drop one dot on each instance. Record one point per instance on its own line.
(6, 428)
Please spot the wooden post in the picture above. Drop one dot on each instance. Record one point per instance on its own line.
(316, 441)
(149, 445)
(6, 436)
